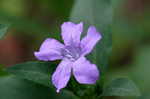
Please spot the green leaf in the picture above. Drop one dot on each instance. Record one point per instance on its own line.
(3, 30)
(38, 72)
(12, 87)
(121, 87)
(99, 14)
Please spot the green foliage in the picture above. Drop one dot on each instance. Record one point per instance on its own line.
(3, 30)
(140, 70)
(38, 72)
(121, 87)
(99, 14)
(12, 87)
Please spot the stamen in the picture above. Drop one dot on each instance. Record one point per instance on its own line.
(71, 52)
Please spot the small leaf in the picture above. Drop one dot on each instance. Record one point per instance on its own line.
(121, 87)
(38, 72)
(3, 30)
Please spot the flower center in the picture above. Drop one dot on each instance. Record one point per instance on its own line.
(71, 52)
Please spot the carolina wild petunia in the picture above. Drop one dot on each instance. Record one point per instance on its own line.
(72, 53)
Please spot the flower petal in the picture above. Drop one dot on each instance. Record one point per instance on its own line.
(49, 50)
(62, 75)
(90, 40)
(85, 72)
(71, 32)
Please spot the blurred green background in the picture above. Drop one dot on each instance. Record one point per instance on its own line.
(31, 21)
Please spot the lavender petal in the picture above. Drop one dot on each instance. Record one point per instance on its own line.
(85, 72)
(90, 40)
(62, 74)
(71, 32)
(49, 50)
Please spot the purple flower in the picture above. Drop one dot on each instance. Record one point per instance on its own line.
(72, 53)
